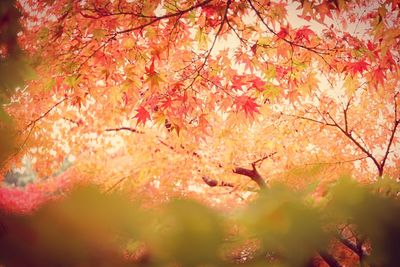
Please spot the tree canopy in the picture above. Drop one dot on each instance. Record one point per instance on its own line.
(212, 99)
(216, 84)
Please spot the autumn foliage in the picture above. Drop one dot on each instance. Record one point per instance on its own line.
(218, 101)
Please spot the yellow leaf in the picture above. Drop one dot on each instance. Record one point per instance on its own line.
(201, 38)
(351, 84)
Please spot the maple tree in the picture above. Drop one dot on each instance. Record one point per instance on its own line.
(163, 98)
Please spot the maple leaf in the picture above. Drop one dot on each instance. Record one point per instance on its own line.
(356, 67)
(371, 46)
(307, 13)
(210, 10)
(150, 70)
(166, 103)
(238, 81)
(324, 9)
(304, 33)
(142, 115)
(125, 98)
(203, 124)
(283, 33)
(379, 76)
(351, 84)
(247, 104)
(258, 84)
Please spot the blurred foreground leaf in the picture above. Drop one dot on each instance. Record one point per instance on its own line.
(286, 226)
(82, 230)
(189, 233)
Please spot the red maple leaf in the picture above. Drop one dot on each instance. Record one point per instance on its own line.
(167, 103)
(379, 76)
(283, 33)
(237, 82)
(150, 70)
(142, 115)
(371, 46)
(247, 104)
(258, 84)
(354, 67)
(304, 33)
(125, 98)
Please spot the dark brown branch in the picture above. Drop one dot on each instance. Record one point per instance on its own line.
(349, 244)
(32, 123)
(133, 130)
(264, 158)
(393, 132)
(362, 148)
(345, 110)
(103, 45)
(179, 13)
(244, 41)
(224, 19)
(337, 162)
(350, 136)
(112, 36)
(388, 146)
(116, 184)
(167, 145)
(253, 174)
(329, 259)
(319, 53)
(310, 119)
(356, 248)
(212, 182)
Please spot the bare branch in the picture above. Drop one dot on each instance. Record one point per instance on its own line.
(198, 70)
(212, 182)
(179, 13)
(253, 174)
(309, 119)
(116, 184)
(263, 158)
(345, 111)
(32, 123)
(133, 130)
(329, 259)
(361, 147)
(393, 132)
(354, 247)
(319, 53)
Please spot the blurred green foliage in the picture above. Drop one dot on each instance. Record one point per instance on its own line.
(14, 71)
(90, 228)
(286, 225)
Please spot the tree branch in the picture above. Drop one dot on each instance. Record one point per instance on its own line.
(252, 174)
(329, 259)
(133, 130)
(224, 19)
(363, 149)
(264, 158)
(116, 184)
(291, 43)
(309, 119)
(179, 13)
(212, 182)
(32, 123)
(393, 132)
